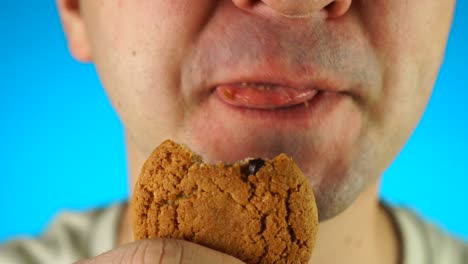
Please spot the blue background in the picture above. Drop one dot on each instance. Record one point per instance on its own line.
(61, 144)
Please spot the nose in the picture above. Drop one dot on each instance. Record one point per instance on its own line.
(300, 8)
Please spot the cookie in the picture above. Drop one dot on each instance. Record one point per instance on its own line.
(259, 211)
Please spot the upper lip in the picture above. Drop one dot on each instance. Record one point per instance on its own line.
(315, 79)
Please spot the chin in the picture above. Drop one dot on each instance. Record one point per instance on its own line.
(335, 194)
(332, 200)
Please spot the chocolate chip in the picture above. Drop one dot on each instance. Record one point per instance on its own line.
(255, 165)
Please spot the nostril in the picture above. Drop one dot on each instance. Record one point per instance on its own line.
(244, 3)
(330, 6)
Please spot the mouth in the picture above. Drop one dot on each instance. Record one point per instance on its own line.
(278, 106)
(275, 89)
(264, 96)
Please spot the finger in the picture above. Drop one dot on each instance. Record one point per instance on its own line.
(162, 251)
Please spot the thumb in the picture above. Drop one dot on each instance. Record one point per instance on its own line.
(162, 251)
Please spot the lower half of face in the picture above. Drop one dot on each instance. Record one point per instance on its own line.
(339, 96)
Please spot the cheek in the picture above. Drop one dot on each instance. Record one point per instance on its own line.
(409, 38)
(409, 31)
(138, 58)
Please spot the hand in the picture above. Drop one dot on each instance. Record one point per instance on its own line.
(162, 251)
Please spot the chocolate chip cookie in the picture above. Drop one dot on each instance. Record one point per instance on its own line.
(260, 211)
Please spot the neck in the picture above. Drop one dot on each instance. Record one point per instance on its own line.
(363, 233)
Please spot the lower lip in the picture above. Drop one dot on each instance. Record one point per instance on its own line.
(264, 97)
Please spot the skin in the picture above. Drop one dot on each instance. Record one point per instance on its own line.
(161, 61)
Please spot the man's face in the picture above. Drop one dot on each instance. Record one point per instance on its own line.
(344, 92)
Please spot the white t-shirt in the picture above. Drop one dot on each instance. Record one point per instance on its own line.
(75, 236)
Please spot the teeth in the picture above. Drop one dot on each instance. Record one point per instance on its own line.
(264, 88)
